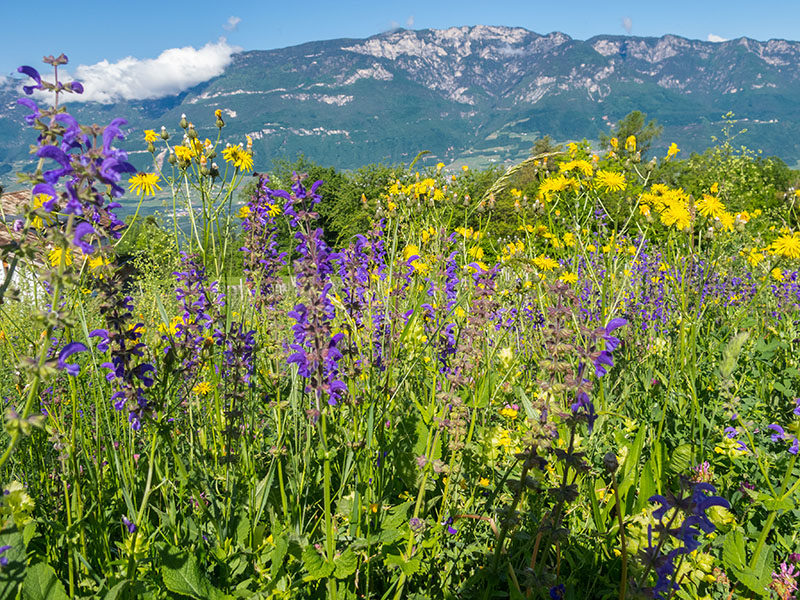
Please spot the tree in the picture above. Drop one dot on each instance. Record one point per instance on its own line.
(634, 125)
(545, 145)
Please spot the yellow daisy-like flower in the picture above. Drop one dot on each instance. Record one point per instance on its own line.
(710, 206)
(545, 263)
(218, 113)
(240, 158)
(244, 212)
(150, 135)
(611, 181)
(144, 184)
(777, 274)
(727, 221)
(630, 143)
(584, 166)
(677, 214)
(614, 143)
(672, 150)
(569, 277)
(184, 153)
(54, 256)
(787, 246)
(202, 388)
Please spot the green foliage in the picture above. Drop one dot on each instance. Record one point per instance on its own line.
(634, 124)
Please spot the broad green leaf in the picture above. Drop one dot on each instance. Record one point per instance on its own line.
(345, 565)
(315, 564)
(409, 567)
(13, 573)
(182, 574)
(41, 583)
(278, 553)
(681, 459)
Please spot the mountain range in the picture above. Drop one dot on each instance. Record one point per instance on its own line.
(470, 95)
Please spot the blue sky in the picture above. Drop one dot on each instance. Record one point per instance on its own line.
(91, 31)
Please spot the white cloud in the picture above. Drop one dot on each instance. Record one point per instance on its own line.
(175, 70)
(716, 38)
(410, 21)
(627, 24)
(232, 24)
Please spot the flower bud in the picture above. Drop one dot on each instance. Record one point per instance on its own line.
(183, 122)
(150, 147)
(610, 462)
(172, 158)
(191, 132)
(164, 133)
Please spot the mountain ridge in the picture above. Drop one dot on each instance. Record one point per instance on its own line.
(476, 94)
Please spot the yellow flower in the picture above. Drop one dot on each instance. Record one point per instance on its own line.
(483, 482)
(144, 184)
(672, 150)
(630, 143)
(465, 168)
(508, 411)
(240, 158)
(677, 214)
(184, 153)
(710, 206)
(614, 142)
(611, 181)
(150, 135)
(777, 274)
(439, 166)
(715, 187)
(727, 221)
(98, 261)
(584, 166)
(787, 246)
(545, 263)
(55, 256)
(569, 277)
(244, 212)
(218, 113)
(273, 209)
(202, 388)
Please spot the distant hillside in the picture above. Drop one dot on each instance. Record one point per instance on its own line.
(477, 94)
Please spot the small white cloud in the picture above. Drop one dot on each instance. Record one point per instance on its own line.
(232, 24)
(174, 71)
(627, 24)
(410, 21)
(716, 38)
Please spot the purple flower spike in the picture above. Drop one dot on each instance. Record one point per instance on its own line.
(779, 432)
(102, 345)
(77, 87)
(33, 74)
(82, 230)
(794, 447)
(129, 525)
(71, 368)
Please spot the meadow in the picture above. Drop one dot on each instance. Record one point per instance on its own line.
(574, 379)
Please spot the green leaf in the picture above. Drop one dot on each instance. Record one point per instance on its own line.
(41, 583)
(409, 567)
(278, 553)
(118, 591)
(681, 459)
(345, 565)
(316, 565)
(734, 557)
(182, 574)
(396, 516)
(13, 573)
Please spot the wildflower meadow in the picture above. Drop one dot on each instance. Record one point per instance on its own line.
(574, 378)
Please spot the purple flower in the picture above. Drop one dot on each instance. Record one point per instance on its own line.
(33, 74)
(129, 525)
(779, 432)
(68, 350)
(3, 557)
(82, 230)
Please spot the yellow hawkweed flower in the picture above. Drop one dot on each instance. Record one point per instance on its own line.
(144, 184)
(787, 246)
(569, 277)
(611, 181)
(184, 153)
(672, 150)
(630, 143)
(710, 206)
(202, 388)
(54, 256)
(240, 158)
(244, 212)
(150, 135)
(777, 274)
(614, 143)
